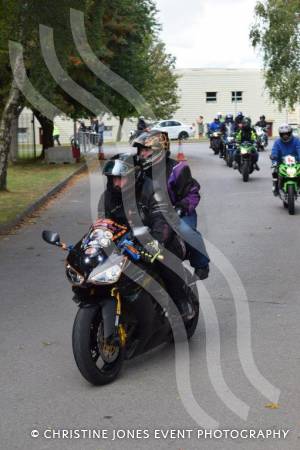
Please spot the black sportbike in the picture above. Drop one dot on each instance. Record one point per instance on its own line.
(216, 142)
(118, 317)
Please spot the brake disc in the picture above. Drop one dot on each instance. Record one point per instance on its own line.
(107, 350)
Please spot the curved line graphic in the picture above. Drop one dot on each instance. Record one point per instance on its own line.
(213, 345)
(182, 354)
(243, 326)
(213, 356)
(243, 315)
(114, 81)
(123, 87)
(62, 78)
(22, 81)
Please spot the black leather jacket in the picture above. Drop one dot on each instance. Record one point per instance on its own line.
(144, 204)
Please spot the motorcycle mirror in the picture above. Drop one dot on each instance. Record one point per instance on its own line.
(51, 237)
(140, 231)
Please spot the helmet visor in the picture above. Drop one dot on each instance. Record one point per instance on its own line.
(286, 136)
(117, 168)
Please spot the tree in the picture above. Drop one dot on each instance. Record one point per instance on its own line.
(276, 33)
(143, 62)
(12, 15)
(121, 33)
(162, 87)
(131, 61)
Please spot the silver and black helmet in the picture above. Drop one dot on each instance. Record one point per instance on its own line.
(285, 132)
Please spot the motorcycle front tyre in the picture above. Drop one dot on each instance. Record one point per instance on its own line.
(85, 344)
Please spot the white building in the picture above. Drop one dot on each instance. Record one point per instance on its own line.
(209, 91)
(202, 92)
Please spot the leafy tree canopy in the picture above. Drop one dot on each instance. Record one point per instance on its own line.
(276, 34)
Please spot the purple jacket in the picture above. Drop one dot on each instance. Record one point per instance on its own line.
(182, 187)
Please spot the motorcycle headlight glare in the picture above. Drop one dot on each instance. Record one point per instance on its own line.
(73, 276)
(291, 172)
(244, 151)
(109, 276)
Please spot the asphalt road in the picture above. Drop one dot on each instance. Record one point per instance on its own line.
(250, 235)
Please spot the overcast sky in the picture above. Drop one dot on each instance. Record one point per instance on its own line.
(209, 33)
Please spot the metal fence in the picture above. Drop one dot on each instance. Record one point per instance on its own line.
(89, 142)
(28, 146)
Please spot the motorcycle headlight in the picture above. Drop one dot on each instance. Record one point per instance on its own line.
(244, 151)
(291, 172)
(73, 276)
(109, 275)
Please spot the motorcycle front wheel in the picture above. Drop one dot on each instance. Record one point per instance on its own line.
(245, 171)
(98, 362)
(192, 324)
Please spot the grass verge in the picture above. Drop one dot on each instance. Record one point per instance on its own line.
(27, 182)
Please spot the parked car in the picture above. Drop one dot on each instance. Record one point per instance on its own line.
(175, 129)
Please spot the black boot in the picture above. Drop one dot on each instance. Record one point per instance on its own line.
(202, 272)
(275, 189)
(186, 311)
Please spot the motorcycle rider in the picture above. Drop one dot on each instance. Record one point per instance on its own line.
(246, 134)
(262, 122)
(141, 125)
(228, 130)
(129, 199)
(153, 149)
(229, 120)
(229, 126)
(214, 126)
(285, 145)
(221, 118)
(238, 121)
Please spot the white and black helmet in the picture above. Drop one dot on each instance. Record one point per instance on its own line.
(285, 132)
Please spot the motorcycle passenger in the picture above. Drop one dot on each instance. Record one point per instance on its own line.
(246, 134)
(183, 190)
(285, 145)
(129, 199)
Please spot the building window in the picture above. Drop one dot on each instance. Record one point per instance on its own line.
(211, 97)
(236, 96)
(22, 134)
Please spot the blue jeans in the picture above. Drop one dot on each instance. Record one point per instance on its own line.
(196, 258)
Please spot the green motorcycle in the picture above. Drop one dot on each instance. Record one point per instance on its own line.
(247, 159)
(289, 182)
